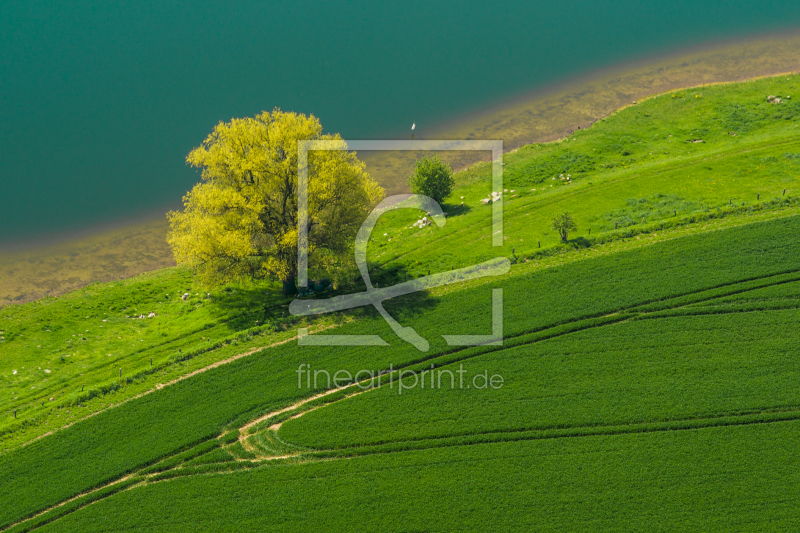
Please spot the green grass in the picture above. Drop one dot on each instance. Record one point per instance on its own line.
(62, 357)
(640, 371)
(639, 153)
(738, 478)
(632, 170)
(649, 367)
(183, 415)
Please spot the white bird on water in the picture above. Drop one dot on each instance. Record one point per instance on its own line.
(414, 125)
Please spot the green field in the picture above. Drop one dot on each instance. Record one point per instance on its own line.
(634, 170)
(649, 369)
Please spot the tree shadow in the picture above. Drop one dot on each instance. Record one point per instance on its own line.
(580, 242)
(410, 306)
(242, 308)
(407, 306)
(452, 211)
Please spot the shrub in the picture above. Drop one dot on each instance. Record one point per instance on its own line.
(432, 177)
(563, 224)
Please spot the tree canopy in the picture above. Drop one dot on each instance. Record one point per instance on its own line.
(563, 224)
(241, 220)
(432, 177)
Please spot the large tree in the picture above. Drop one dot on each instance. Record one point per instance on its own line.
(241, 220)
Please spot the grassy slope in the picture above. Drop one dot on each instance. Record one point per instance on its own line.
(200, 408)
(740, 478)
(659, 369)
(638, 153)
(61, 357)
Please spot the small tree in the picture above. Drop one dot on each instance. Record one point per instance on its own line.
(563, 224)
(432, 177)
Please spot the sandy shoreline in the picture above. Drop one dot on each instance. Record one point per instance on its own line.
(539, 116)
(553, 112)
(53, 270)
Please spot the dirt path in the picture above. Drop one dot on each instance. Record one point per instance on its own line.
(260, 457)
(65, 502)
(160, 386)
(244, 437)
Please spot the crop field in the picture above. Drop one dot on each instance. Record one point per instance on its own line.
(727, 478)
(633, 174)
(575, 370)
(64, 358)
(643, 371)
(647, 378)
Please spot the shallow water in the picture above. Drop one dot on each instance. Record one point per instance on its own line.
(126, 249)
(61, 228)
(102, 101)
(554, 111)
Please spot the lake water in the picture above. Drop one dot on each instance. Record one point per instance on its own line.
(102, 101)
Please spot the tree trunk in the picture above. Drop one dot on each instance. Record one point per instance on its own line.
(289, 287)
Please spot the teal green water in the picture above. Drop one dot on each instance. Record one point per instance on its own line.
(101, 101)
